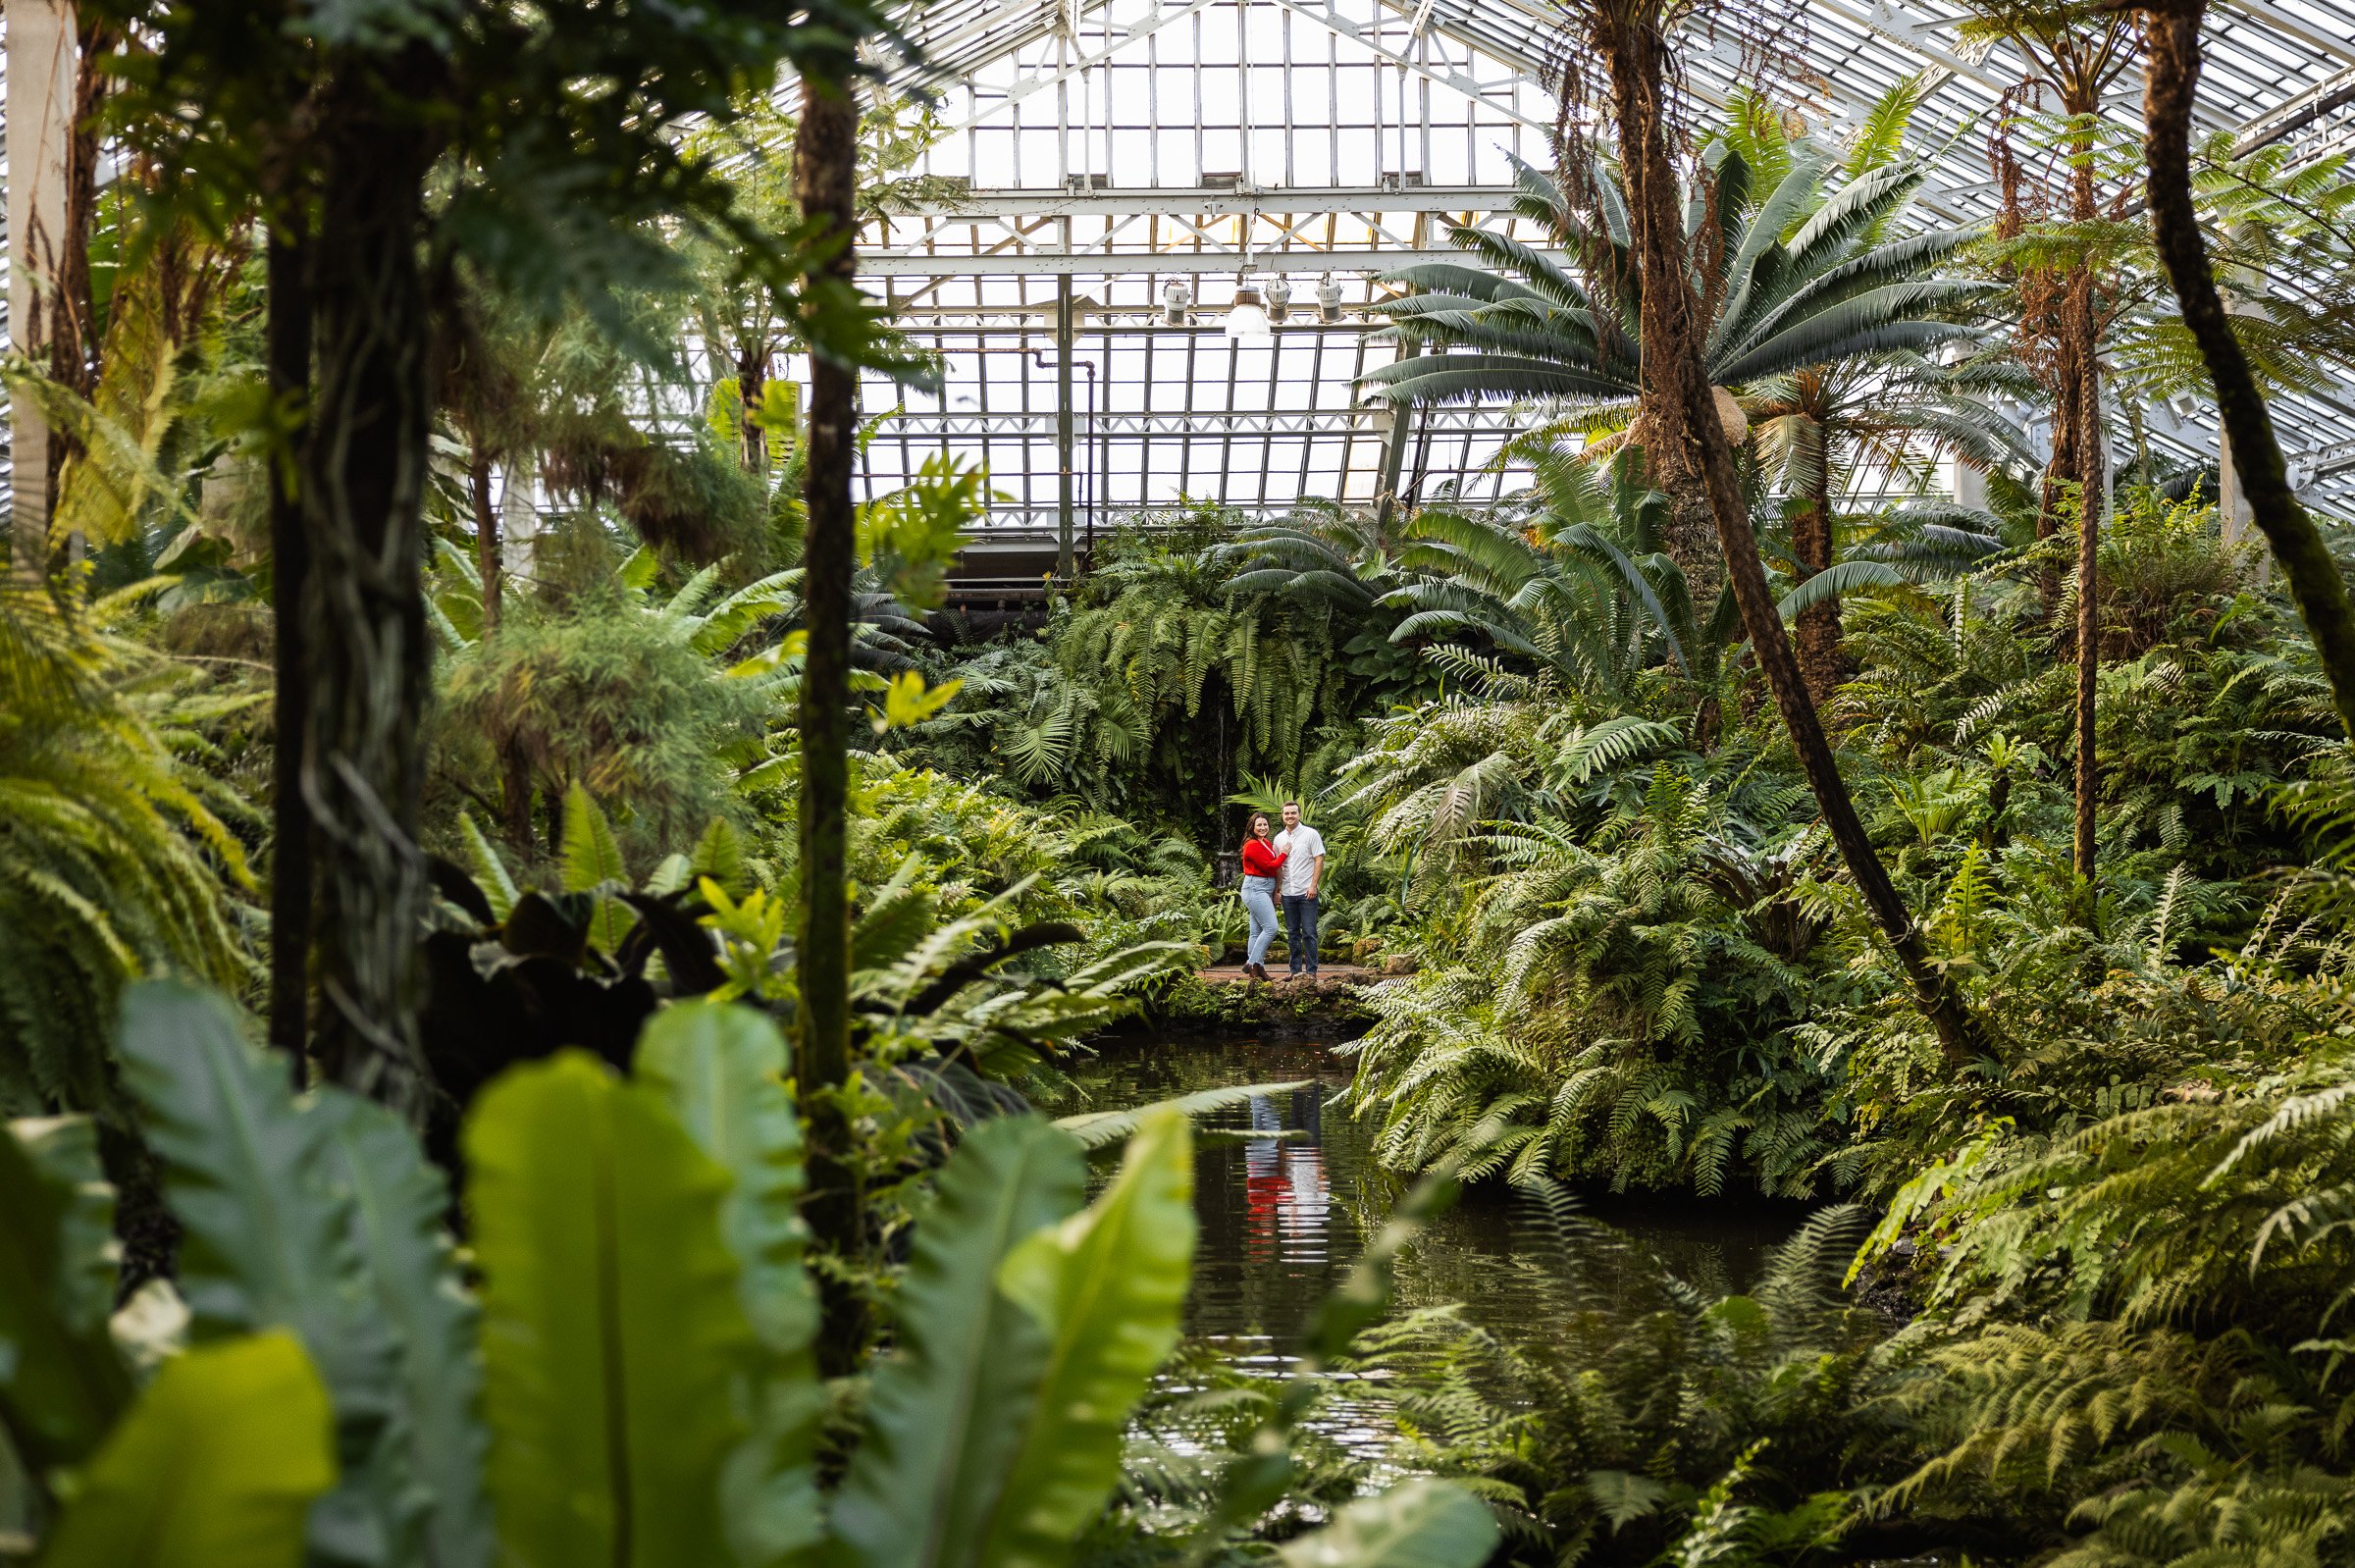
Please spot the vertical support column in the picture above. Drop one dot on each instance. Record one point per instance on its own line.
(1394, 455)
(1066, 562)
(2234, 519)
(40, 101)
(1970, 486)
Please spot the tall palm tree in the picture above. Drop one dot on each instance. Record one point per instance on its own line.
(1801, 272)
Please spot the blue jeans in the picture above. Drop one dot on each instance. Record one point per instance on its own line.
(1259, 901)
(1301, 930)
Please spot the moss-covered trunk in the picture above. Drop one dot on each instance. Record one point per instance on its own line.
(2172, 76)
(825, 165)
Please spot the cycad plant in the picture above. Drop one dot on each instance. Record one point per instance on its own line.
(634, 1383)
(1800, 268)
(113, 861)
(1570, 578)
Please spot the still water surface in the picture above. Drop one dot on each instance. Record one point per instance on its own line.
(1288, 1192)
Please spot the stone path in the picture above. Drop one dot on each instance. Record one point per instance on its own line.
(1329, 975)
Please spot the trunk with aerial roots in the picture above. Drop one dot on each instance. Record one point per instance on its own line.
(364, 478)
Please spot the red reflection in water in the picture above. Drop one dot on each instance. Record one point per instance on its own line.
(1285, 1197)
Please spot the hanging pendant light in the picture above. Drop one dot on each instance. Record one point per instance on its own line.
(1247, 317)
(1279, 300)
(1176, 300)
(1329, 300)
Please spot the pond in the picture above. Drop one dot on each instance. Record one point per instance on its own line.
(1285, 1214)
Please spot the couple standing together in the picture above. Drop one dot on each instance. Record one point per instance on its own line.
(1294, 860)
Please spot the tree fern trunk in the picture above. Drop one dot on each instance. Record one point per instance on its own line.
(2090, 477)
(2315, 581)
(363, 499)
(752, 385)
(487, 563)
(825, 163)
(1627, 35)
(288, 354)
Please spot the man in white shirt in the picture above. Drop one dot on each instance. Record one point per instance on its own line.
(1303, 850)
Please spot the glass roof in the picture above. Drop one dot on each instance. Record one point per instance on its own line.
(1145, 159)
(1118, 150)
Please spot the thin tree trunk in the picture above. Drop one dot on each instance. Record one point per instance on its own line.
(2083, 326)
(1630, 40)
(363, 497)
(1819, 629)
(2090, 477)
(2315, 581)
(487, 561)
(751, 386)
(2060, 473)
(288, 352)
(825, 163)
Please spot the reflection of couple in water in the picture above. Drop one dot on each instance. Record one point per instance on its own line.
(1283, 1183)
(1293, 862)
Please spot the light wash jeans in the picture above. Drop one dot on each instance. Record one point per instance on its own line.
(1259, 901)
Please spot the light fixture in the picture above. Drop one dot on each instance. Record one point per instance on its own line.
(1176, 299)
(2183, 406)
(1329, 300)
(1279, 299)
(1247, 317)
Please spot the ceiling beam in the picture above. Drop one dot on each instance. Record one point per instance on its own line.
(1204, 203)
(2332, 92)
(1132, 263)
(1367, 40)
(1027, 86)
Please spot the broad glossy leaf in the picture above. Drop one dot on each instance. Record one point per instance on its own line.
(593, 860)
(721, 1067)
(397, 1209)
(1097, 1129)
(944, 1413)
(215, 1467)
(490, 870)
(1107, 1285)
(62, 1383)
(614, 1340)
(1416, 1524)
(268, 1236)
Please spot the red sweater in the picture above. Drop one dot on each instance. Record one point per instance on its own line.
(1260, 859)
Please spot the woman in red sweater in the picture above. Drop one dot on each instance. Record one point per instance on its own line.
(1262, 865)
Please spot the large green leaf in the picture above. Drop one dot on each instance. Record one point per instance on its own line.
(1106, 1285)
(593, 864)
(1416, 1524)
(398, 1202)
(721, 1067)
(1097, 1129)
(614, 1340)
(944, 1413)
(215, 1467)
(268, 1236)
(61, 1384)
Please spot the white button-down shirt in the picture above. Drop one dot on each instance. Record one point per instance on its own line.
(1300, 847)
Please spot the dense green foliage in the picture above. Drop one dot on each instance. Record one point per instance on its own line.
(2076, 1296)
(640, 1346)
